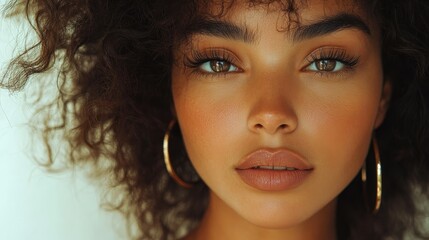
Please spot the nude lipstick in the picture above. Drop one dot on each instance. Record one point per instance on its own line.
(273, 170)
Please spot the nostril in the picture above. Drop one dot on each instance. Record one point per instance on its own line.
(271, 122)
(259, 126)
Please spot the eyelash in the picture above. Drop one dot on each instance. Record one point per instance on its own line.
(197, 58)
(334, 54)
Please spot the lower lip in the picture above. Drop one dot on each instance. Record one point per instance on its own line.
(273, 180)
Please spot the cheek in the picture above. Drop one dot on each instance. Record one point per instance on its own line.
(210, 123)
(338, 128)
(344, 122)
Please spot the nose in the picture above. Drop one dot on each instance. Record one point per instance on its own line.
(272, 114)
(272, 110)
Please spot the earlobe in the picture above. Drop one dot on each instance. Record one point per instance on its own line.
(173, 110)
(384, 103)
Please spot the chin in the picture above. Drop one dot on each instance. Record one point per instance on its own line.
(277, 221)
(281, 215)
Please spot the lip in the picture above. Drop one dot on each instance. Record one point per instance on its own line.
(265, 169)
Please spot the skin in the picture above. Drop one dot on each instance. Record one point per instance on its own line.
(272, 98)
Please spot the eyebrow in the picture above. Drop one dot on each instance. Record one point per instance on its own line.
(223, 29)
(228, 30)
(330, 25)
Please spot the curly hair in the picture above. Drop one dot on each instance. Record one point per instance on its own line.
(115, 97)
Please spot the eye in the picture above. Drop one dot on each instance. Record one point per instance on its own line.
(326, 65)
(330, 60)
(212, 61)
(218, 66)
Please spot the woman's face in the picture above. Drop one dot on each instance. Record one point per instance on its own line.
(277, 121)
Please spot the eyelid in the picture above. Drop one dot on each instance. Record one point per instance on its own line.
(197, 57)
(331, 53)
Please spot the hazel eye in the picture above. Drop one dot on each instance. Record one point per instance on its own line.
(326, 65)
(218, 66)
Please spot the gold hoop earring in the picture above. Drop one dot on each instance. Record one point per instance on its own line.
(378, 189)
(167, 161)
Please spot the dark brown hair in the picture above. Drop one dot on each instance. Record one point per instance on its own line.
(116, 99)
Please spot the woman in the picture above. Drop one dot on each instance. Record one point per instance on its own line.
(246, 119)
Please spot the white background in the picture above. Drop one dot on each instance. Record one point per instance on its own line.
(35, 204)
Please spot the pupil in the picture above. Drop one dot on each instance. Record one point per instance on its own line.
(326, 65)
(220, 66)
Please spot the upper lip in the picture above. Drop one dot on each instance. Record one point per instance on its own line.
(273, 158)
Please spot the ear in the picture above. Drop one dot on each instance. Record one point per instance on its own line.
(173, 110)
(384, 103)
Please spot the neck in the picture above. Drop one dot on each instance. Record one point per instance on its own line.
(221, 222)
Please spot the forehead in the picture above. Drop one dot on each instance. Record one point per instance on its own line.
(299, 19)
(290, 13)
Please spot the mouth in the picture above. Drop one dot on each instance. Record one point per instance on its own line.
(273, 170)
(282, 159)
